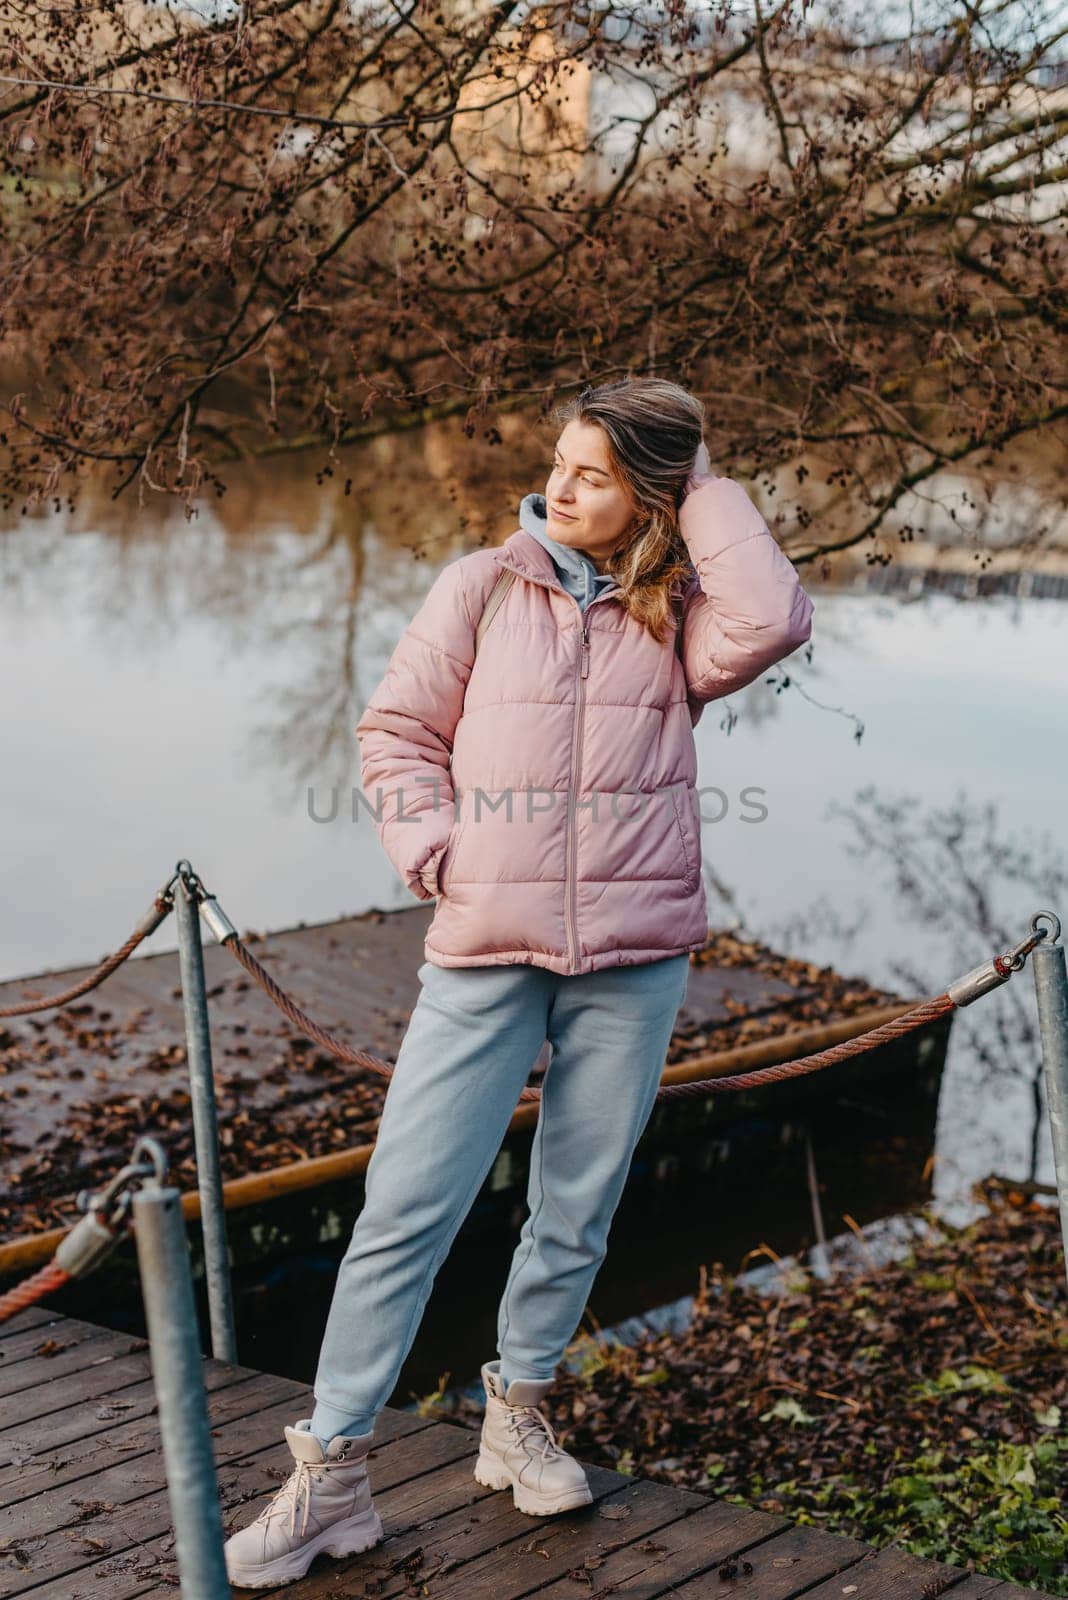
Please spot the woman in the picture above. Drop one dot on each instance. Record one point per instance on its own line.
(543, 788)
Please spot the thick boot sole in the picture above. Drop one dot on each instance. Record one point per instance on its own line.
(492, 1473)
(345, 1538)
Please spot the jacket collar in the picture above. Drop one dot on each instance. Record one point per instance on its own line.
(527, 555)
(522, 553)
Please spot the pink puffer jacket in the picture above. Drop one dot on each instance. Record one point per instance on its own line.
(545, 791)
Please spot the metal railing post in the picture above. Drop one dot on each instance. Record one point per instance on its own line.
(174, 1340)
(1051, 993)
(205, 1124)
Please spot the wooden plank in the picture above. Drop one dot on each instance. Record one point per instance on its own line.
(119, 1478)
(105, 1346)
(74, 1391)
(893, 1574)
(148, 1568)
(778, 1568)
(32, 1317)
(63, 1333)
(82, 1418)
(89, 1369)
(53, 1322)
(109, 1433)
(114, 1510)
(105, 1579)
(699, 1540)
(78, 1396)
(537, 1551)
(128, 1501)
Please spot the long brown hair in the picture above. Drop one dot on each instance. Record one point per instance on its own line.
(653, 428)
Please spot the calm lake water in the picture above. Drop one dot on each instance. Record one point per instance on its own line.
(190, 689)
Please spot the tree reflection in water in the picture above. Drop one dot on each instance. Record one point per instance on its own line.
(965, 882)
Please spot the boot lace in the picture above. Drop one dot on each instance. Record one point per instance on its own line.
(533, 1431)
(298, 1486)
(288, 1497)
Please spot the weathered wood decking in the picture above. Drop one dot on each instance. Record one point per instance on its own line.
(84, 1512)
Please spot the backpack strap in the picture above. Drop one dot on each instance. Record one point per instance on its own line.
(497, 594)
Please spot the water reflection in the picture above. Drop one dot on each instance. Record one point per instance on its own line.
(960, 882)
(176, 689)
(969, 876)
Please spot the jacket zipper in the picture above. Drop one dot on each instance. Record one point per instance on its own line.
(571, 843)
(570, 874)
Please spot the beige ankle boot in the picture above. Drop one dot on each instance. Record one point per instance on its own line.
(519, 1451)
(323, 1508)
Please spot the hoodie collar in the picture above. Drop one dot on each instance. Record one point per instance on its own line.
(529, 551)
(533, 519)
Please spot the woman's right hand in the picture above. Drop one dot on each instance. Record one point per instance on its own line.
(428, 872)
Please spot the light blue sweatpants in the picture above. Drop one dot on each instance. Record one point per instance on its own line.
(473, 1036)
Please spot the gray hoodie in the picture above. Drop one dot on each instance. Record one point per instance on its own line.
(576, 572)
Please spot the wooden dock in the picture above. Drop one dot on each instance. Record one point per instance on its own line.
(77, 1084)
(84, 1512)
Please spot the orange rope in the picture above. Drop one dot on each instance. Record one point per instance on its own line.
(917, 1017)
(46, 1281)
(160, 909)
(301, 1020)
(927, 1011)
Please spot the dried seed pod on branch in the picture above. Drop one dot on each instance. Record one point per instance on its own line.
(244, 231)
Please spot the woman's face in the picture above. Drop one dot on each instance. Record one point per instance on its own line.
(588, 508)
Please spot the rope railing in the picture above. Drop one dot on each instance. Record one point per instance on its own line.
(979, 981)
(186, 893)
(917, 1017)
(161, 908)
(94, 1236)
(966, 989)
(348, 1053)
(27, 1293)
